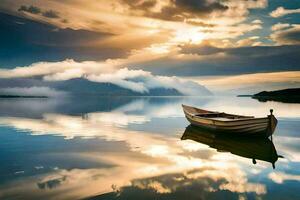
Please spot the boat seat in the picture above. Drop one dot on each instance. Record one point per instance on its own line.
(208, 115)
(221, 116)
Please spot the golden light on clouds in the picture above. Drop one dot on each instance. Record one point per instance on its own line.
(152, 35)
(230, 82)
(201, 51)
(125, 19)
(189, 35)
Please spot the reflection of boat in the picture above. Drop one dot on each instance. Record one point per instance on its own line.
(253, 148)
(229, 123)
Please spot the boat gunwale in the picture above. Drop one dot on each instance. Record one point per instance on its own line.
(246, 118)
(234, 120)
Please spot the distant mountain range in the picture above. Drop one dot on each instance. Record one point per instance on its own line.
(82, 86)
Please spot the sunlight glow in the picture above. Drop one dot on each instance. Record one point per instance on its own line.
(189, 35)
(157, 150)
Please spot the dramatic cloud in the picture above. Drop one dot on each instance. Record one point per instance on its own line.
(281, 177)
(51, 14)
(248, 83)
(281, 11)
(203, 49)
(96, 14)
(287, 36)
(108, 30)
(201, 60)
(152, 22)
(30, 9)
(142, 81)
(258, 52)
(105, 72)
(279, 26)
(36, 10)
(257, 21)
(28, 41)
(56, 70)
(164, 37)
(251, 41)
(176, 10)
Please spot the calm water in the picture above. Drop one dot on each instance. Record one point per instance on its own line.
(131, 148)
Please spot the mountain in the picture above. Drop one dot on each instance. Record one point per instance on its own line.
(82, 86)
(86, 87)
(291, 95)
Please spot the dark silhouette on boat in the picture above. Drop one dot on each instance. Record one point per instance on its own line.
(252, 148)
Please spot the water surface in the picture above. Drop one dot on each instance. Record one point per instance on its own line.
(133, 148)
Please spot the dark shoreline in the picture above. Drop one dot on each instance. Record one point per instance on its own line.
(291, 95)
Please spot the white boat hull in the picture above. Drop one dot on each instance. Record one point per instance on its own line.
(243, 125)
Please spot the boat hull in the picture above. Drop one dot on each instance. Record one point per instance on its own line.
(251, 126)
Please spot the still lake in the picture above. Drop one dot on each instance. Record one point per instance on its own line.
(134, 148)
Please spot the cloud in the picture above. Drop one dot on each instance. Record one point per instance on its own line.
(31, 91)
(36, 11)
(56, 70)
(280, 177)
(251, 41)
(257, 21)
(281, 11)
(138, 18)
(205, 13)
(132, 30)
(203, 49)
(30, 9)
(261, 51)
(229, 32)
(130, 26)
(279, 26)
(248, 83)
(176, 10)
(142, 81)
(132, 14)
(290, 36)
(52, 43)
(51, 14)
(105, 72)
(141, 5)
(210, 60)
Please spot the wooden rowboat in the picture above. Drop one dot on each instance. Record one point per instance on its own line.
(230, 123)
(252, 148)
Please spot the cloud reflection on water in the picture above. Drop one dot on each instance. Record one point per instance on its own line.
(150, 160)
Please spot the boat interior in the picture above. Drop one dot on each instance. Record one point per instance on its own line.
(222, 116)
(213, 115)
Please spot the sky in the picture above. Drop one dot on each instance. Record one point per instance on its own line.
(206, 41)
